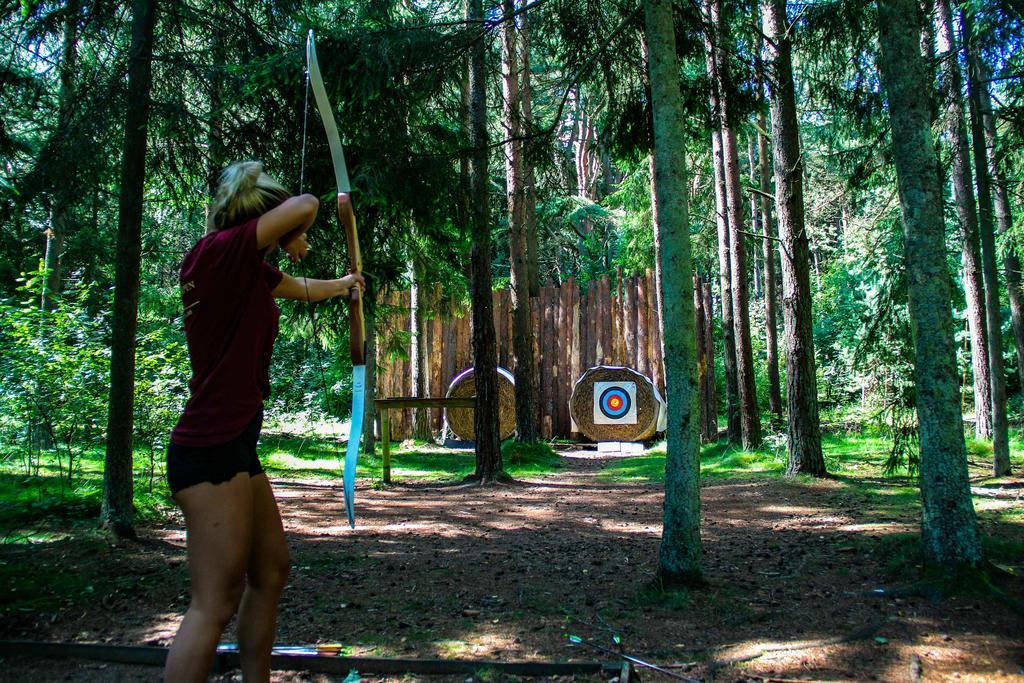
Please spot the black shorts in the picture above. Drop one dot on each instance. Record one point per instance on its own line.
(191, 465)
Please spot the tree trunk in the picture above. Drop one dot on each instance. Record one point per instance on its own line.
(51, 257)
(710, 390)
(949, 527)
(118, 511)
(755, 217)
(518, 247)
(732, 401)
(215, 132)
(488, 452)
(804, 435)
(679, 562)
(705, 359)
(529, 179)
(733, 428)
(659, 296)
(963, 195)
(418, 353)
(63, 191)
(990, 270)
(1011, 261)
(770, 285)
(750, 419)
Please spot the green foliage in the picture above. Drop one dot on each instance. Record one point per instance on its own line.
(161, 387)
(523, 456)
(55, 367)
(37, 503)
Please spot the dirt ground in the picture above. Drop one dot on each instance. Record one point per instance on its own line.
(509, 572)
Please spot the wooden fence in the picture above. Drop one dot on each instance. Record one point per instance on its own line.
(574, 328)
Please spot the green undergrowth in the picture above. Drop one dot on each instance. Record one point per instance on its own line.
(847, 455)
(39, 502)
(410, 460)
(717, 461)
(900, 555)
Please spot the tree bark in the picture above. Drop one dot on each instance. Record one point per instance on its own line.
(62, 191)
(804, 435)
(963, 195)
(118, 510)
(659, 296)
(529, 177)
(488, 452)
(756, 219)
(732, 401)
(418, 353)
(215, 131)
(733, 426)
(629, 320)
(750, 419)
(679, 555)
(949, 527)
(1011, 261)
(705, 359)
(990, 270)
(710, 390)
(770, 284)
(518, 246)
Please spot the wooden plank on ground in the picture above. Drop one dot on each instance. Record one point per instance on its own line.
(311, 661)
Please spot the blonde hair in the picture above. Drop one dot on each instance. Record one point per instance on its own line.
(243, 193)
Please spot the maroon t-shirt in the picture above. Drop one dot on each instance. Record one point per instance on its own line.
(231, 322)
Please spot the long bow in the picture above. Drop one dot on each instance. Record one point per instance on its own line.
(357, 329)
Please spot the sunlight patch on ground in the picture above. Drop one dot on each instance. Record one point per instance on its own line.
(286, 461)
(882, 527)
(162, 630)
(302, 425)
(795, 510)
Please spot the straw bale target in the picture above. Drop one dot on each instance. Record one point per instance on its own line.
(460, 420)
(617, 404)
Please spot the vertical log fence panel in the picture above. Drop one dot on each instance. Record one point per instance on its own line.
(575, 327)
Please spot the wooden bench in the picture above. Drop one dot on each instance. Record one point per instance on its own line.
(385, 404)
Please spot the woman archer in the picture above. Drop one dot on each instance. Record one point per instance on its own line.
(237, 555)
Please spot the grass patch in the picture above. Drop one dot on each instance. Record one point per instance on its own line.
(846, 455)
(717, 461)
(530, 458)
(653, 595)
(320, 458)
(37, 498)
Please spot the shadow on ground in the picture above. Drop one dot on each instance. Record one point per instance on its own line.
(509, 572)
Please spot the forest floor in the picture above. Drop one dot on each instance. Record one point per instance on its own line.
(508, 572)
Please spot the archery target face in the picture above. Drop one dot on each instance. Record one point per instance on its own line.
(615, 403)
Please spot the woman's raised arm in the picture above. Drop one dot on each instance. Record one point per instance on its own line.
(293, 215)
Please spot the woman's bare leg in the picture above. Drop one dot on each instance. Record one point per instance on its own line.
(218, 519)
(266, 575)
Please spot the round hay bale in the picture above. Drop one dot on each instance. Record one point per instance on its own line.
(617, 404)
(460, 420)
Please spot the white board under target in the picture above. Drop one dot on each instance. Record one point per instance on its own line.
(615, 403)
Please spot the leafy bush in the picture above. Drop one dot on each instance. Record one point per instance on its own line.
(161, 387)
(55, 367)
